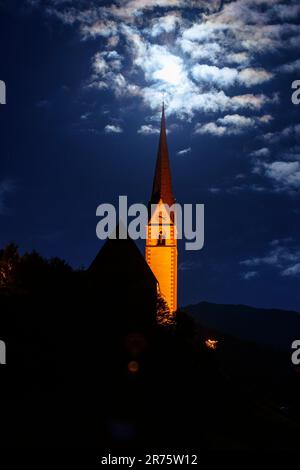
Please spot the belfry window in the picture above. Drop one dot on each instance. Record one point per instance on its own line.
(161, 239)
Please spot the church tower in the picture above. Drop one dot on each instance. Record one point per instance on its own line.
(161, 243)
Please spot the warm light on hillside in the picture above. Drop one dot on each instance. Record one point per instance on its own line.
(211, 343)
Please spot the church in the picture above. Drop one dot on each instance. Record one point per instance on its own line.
(139, 280)
(161, 243)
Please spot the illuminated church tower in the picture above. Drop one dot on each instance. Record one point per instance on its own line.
(161, 243)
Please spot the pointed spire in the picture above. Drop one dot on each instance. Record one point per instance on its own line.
(162, 184)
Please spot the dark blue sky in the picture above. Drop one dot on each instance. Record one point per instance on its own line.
(84, 87)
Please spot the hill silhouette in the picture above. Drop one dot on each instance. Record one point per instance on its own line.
(269, 327)
(89, 368)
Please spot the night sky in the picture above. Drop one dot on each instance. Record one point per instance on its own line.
(85, 81)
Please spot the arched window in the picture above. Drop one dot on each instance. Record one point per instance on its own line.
(161, 239)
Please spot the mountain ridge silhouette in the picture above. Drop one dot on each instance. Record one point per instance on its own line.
(269, 327)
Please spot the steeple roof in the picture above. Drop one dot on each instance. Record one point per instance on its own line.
(162, 184)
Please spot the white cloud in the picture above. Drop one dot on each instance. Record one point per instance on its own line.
(157, 63)
(184, 151)
(211, 128)
(113, 129)
(165, 24)
(210, 73)
(204, 31)
(266, 118)
(291, 154)
(238, 58)
(209, 51)
(113, 41)
(291, 67)
(237, 120)
(249, 275)
(250, 77)
(279, 257)
(104, 28)
(284, 171)
(100, 65)
(287, 12)
(227, 36)
(214, 190)
(250, 101)
(130, 10)
(226, 76)
(107, 75)
(263, 152)
(292, 271)
(231, 124)
(282, 255)
(285, 174)
(148, 129)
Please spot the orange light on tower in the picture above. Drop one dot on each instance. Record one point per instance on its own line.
(161, 243)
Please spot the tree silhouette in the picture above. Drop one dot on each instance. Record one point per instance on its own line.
(9, 260)
(163, 314)
(32, 272)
